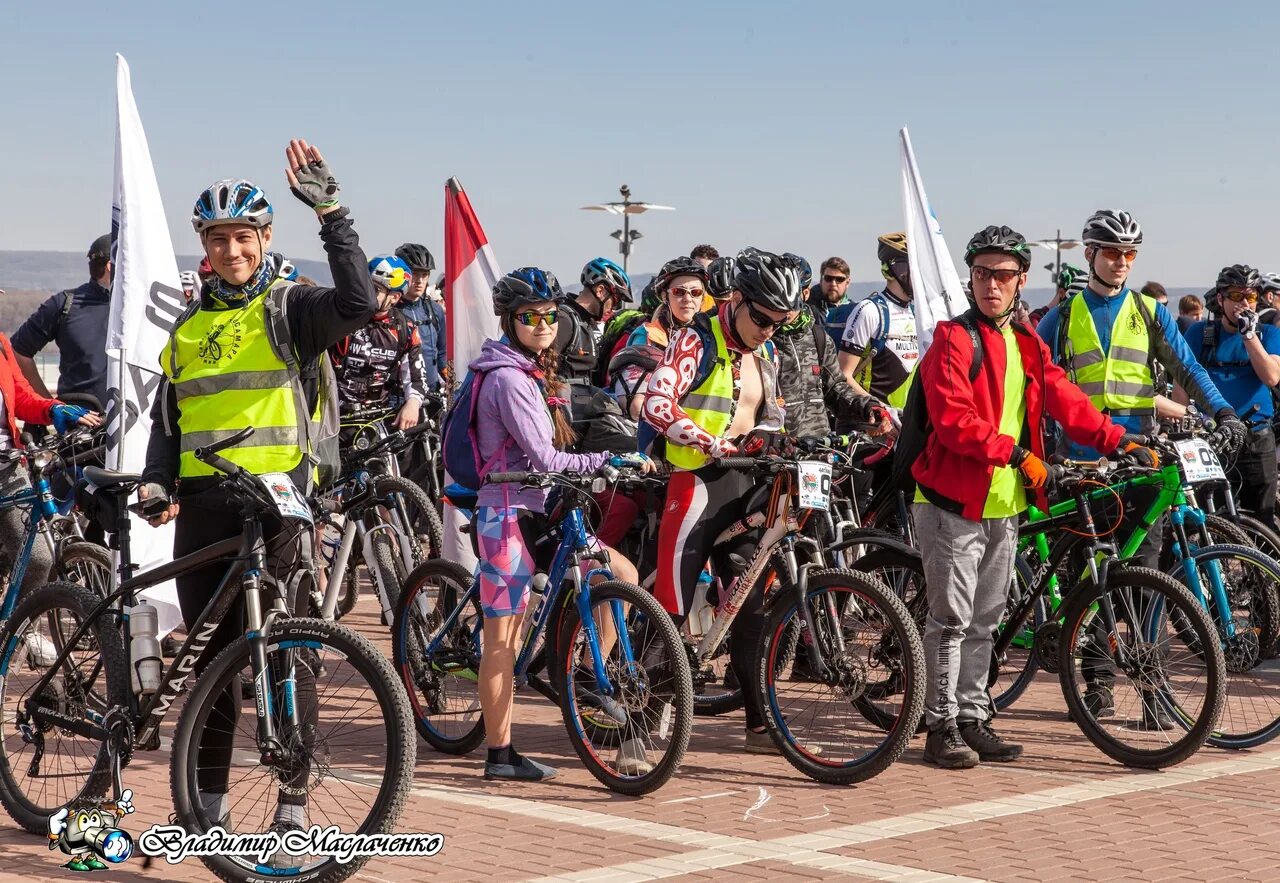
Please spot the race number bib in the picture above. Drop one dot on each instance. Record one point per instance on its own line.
(1199, 462)
(815, 485)
(289, 503)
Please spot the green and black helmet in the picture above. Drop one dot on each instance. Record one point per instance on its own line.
(999, 240)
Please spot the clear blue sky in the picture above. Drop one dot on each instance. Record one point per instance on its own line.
(764, 123)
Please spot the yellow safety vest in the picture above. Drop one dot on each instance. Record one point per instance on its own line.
(233, 368)
(1118, 382)
(710, 404)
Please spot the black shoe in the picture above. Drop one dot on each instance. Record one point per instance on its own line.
(1154, 716)
(527, 770)
(1098, 701)
(945, 748)
(979, 736)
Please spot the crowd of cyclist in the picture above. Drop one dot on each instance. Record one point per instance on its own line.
(718, 356)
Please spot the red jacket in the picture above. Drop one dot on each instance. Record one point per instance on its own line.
(21, 402)
(966, 446)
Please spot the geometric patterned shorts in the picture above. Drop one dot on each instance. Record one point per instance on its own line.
(505, 540)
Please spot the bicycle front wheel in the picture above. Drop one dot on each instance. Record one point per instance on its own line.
(44, 767)
(1251, 710)
(632, 737)
(1148, 689)
(851, 722)
(344, 756)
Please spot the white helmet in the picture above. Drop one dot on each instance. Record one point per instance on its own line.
(1107, 228)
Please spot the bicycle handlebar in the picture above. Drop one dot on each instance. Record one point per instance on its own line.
(201, 453)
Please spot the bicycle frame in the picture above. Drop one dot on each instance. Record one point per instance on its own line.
(574, 548)
(42, 507)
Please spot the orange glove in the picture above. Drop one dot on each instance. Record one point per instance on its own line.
(1034, 473)
(1138, 452)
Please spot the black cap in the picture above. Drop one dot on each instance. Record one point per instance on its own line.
(101, 247)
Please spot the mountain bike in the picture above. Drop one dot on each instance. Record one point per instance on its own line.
(617, 666)
(317, 696)
(855, 712)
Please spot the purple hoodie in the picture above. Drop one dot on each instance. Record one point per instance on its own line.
(511, 406)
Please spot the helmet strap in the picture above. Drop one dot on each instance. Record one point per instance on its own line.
(729, 321)
(1104, 287)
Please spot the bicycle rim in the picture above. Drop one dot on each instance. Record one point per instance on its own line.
(347, 758)
(1251, 711)
(856, 721)
(633, 738)
(45, 767)
(1159, 707)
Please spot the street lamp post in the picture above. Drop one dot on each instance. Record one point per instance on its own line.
(1057, 244)
(626, 236)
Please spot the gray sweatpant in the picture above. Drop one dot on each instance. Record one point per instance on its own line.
(968, 567)
(13, 530)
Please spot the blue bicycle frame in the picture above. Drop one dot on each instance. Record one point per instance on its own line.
(574, 545)
(42, 506)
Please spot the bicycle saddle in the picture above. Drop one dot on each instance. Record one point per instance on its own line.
(108, 480)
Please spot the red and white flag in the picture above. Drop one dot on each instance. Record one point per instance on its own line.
(470, 272)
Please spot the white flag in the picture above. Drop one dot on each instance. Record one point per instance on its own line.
(146, 298)
(934, 282)
(470, 272)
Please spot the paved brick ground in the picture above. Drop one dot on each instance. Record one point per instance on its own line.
(1064, 812)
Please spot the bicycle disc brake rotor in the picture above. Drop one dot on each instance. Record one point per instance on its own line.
(1243, 650)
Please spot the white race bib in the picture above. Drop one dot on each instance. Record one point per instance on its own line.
(815, 485)
(289, 503)
(1198, 460)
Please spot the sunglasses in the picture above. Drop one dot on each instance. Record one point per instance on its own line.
(1002, 277)
(532, 319)
(691, 293)
(1115, 254)
(1236, 295)
(763, 322)
(835, 280)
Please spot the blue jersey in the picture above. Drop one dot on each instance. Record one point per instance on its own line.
(1168, 347)
(1229, 366)
(427, 316)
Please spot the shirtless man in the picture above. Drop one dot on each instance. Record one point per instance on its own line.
(716, 384)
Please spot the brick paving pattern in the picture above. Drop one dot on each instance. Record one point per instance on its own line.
(1064, 812)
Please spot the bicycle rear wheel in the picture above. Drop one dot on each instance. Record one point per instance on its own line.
(443, 688)
(633, 739)
(346, 759)
(87, 564)
(857, 720)
(44, 767)
(1167, 691)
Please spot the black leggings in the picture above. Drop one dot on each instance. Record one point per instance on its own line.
(203, 520)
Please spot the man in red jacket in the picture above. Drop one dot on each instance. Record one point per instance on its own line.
(18, 401)
(987, 443)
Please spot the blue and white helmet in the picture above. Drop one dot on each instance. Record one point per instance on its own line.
(231, 201)
(287, 270)
(390, 273)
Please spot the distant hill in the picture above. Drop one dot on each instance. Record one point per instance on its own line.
(56, 270)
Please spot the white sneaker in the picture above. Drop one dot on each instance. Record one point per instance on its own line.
(40, 650)
(633, 759)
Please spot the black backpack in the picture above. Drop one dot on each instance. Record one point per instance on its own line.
(916, 426)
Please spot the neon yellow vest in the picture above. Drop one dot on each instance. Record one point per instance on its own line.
(228, 373)
(710, 404)
(1118, 382)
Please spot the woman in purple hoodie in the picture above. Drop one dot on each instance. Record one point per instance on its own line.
(518, 427)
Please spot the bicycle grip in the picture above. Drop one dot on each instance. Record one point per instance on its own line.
(737, 462)
(507, 478)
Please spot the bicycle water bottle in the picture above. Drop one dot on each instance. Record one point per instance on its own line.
(144, 649)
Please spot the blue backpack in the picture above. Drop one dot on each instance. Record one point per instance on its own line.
(460, 446)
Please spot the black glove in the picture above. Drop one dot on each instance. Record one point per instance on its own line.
(316, 185)
(1231, 432)
(866, 409)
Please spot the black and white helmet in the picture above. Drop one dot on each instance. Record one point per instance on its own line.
(767, 280)
(1268, 282)
(1109, 228)
(1237, 276)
